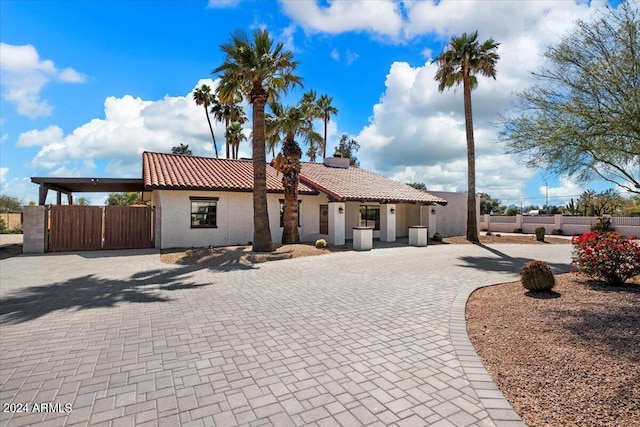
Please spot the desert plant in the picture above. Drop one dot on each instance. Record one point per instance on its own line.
(536, 276)
(540, 234)
(557, 232)
(610, 256)
(321, 243)
(437, 237)
(602, 225)
(517, 230)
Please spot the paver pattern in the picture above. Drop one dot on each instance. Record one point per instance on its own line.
(370, 338)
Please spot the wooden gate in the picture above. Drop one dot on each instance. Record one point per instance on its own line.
(90, 228)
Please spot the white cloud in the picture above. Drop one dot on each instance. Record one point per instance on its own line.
(23, 76)
(130, 127)
(378, 17)
(3, 174)
(418, 134)
(335, 54)
(213, 4)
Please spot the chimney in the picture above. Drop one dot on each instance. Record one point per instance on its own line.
(336, 162)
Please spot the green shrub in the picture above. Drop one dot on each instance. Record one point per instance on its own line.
(557, 232)
(610, 257)
(536, 276)
(321, 243)
(517, 230)
(3, 225)
(602, 225)
(540, 234)
(437, 237)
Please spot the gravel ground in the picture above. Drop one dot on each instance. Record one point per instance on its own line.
(569, 358)
(239, 255)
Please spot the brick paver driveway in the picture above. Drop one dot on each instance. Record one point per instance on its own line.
(374, 338)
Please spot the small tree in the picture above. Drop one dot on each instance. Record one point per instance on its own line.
(348, 147)
(418, 186)
(489, 205)
(124, 199)
(10, 203)
(181, 149)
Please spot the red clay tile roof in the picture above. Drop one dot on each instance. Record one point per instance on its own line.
(355, 184)
(176, 172)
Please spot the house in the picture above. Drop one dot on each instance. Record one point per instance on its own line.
(201, 201)
(205, 201)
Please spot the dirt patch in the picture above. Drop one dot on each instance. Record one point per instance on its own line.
(241, 255)
(571, 357)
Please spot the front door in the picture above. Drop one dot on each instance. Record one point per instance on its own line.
(324, 219)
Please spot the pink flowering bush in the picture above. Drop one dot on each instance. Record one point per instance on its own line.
(607, 256)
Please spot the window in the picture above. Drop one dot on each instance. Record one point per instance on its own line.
(282, 212)
(370, 217)
(204, 212)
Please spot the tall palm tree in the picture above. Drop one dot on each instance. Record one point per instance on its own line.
(203, 96)
(464, 58)
(326, 110)
(261, 71)
(288, 123)
(235, 137)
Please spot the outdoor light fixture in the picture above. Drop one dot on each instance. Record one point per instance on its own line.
(340, 210)
(392, 210)
(433, 211)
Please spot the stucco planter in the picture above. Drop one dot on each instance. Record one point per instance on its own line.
(362, 238)
(418, 235)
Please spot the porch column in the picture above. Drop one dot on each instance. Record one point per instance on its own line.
(432, 220)
(336, 223)
(388, 223)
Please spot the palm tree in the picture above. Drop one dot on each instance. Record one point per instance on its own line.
(326, 110)
(463, 59)
(235, 136)
(227, 109)
(289, 123)
(261, 71)
(203, 96)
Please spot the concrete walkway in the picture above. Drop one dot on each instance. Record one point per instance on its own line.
(374, 338)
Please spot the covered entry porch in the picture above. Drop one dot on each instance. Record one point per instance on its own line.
(389, 221)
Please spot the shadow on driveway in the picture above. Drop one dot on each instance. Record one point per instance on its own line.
(504, 262)
(86, 292)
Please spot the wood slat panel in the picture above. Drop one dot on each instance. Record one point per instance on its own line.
(75, 228)
(128, 227)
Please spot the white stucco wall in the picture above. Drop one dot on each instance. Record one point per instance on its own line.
(234, 218)
(452, 218)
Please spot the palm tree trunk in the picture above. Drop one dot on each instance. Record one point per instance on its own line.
(324, 144)
(472, 220)
(226, 138)
(290, 177)
(215, 146)
(262, 241)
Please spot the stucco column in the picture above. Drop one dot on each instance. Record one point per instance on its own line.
(33, 227)
(388, 223)
(432, 220)
(336, 223)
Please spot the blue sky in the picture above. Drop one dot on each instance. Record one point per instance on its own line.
(87, 86)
